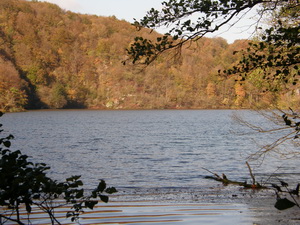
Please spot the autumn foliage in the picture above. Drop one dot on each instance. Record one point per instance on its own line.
(52, 58)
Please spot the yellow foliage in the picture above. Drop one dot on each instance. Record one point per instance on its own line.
(64, 59)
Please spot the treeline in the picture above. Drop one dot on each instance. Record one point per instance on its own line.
(52, 58)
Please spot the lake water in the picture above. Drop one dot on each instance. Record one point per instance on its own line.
(152, 157)
(143, 148)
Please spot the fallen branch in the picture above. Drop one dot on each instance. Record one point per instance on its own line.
(251, 174)
(227, 181)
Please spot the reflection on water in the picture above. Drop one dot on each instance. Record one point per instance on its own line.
(145, 213)
(150, 155)
(136, 148)
(151, 213)
(150, 148)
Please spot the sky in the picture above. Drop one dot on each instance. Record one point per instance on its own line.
(130, 9)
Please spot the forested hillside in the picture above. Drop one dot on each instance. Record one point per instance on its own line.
(51, 58)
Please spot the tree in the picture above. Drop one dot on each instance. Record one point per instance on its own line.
(272, 61)
(190, 20)
(24, 183)
(273, 58)
(277, 54)
(12, 96)
(43, 46)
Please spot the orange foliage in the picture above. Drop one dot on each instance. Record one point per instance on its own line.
(75, 59)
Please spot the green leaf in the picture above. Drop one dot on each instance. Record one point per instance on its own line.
(283, 204)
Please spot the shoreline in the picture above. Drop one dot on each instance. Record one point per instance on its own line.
(216, 206)
(131, 109)
(256, 206)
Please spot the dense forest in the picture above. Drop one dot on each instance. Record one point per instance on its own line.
(52, 58)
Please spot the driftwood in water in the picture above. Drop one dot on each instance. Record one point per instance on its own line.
(226, 181)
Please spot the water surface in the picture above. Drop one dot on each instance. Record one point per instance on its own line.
(141, 148)
(156, 159)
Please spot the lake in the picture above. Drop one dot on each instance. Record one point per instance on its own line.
(152, 155)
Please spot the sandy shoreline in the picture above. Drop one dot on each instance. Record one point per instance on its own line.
(245, 206)
(179, 206)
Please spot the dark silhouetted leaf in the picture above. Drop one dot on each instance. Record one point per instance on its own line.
(7, 144)
(111, 190)
(101, 186)
(104, 198)
(283, 204)
(90, 204)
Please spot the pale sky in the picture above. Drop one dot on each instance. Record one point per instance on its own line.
(129, 9)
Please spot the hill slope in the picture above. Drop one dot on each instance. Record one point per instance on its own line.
(51, 58)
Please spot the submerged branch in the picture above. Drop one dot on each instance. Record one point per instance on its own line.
(227, 181)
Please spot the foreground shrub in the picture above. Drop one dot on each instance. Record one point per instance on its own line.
(26, 184)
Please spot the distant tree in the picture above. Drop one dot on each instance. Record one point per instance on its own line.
(12, 97)
(272, 60)
(191, 20)
(46, 46)
(275, 57)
